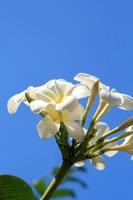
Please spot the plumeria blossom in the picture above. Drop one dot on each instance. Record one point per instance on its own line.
(59, 100)
(50, 125)
(59, 93)
(112, 97)
(98, 161)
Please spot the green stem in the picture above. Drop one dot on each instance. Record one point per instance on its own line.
(91, 100)
(56, 181)
(122, 126)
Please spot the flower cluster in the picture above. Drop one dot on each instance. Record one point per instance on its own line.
(64, 117)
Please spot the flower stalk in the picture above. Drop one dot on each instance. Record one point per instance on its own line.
(91, 100)
(100, 108)
(122, 126)
(99, 147)
(56, 181)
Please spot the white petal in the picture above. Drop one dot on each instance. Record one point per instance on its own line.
(63, 85)
(85, 130)
(111, 153)
(30, 91)
(113, 98)
(130, 128)
(70, 103)
(59, 88)
(41, 95)
(14, 102)
(55, 115)
(128, 102)
(79, 91)
(110, 145)
(102, 127)
(75, 115)
(87, 79)
(38, 106)
(75, 130)
(105, 87)
(79, 164)
(98, 163)
(128, 140)
(47, 128)
(45, 91)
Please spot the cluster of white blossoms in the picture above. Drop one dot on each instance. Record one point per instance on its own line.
(57, 102)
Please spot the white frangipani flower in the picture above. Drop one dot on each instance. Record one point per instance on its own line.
(112, 97)
(59, 100)
(50, 125)
(59, 93)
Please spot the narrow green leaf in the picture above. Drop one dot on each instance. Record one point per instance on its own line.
(81, 169)
(40, 186)
(72, 170)
(73, 179)
(14, 188)
(64, 193)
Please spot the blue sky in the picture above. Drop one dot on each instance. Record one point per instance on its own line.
(47, 39)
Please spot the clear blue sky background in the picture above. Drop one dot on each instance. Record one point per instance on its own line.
(46, 39)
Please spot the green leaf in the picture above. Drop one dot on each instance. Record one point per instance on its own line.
(40, 186)
(72, 170)
(64, 193)
(56, 169)
(81, 169)
(13, 188)
(73, 179)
